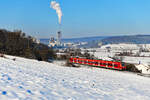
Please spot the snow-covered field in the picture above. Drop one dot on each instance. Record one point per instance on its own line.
(103, 53)
(26, 79)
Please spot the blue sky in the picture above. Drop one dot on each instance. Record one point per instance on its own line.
(81, 18)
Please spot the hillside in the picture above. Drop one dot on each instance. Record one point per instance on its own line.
(26, 79)
(16, 43)
(137, 39)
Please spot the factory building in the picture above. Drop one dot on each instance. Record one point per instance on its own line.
(56, 43)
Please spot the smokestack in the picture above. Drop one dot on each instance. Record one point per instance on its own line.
(56, 6)
(59, 37)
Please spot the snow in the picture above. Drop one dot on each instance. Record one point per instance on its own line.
(126, 46)
(101, 53)
(137, 60)
(26, 79)
(144, 68)
(121, 46)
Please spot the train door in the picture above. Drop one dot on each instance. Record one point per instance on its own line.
(85, 61)
(116, 66)
(105, 63)
(80, 61)
(90, 62)
(101, 63)
(96, 63)
(110, 65)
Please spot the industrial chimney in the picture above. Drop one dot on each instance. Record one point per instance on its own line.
(59, 38)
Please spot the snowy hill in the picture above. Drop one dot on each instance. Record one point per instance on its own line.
(137, 39)
(26, 79)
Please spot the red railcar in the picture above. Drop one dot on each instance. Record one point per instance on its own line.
(99, 63)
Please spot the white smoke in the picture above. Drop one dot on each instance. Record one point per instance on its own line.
(56, 6)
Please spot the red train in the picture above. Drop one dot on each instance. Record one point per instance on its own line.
(99, 63)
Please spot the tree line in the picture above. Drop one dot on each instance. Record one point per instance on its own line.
(16, 43)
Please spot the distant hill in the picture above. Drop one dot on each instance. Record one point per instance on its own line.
(137, 39)
(75, 40)
(85, 39)
(93, 41)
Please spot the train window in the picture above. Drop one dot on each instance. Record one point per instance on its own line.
(104, 64)
(110, 64)
(115, 65)
(96, 63)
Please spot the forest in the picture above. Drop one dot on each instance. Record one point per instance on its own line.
(16, 43)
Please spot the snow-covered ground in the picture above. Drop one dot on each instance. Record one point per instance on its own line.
(144, 68)
(103, 53)
(26, 79)
(126, 46)
(137, 60)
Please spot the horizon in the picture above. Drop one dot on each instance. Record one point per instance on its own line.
(80, 18)
(102, 36)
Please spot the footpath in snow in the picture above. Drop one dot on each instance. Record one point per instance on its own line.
(26, 79)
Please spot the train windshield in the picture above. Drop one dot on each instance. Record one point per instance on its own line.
(123, 64)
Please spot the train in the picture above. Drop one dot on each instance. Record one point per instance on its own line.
(99, 63)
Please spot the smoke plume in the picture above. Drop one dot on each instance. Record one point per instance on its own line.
(56, 6)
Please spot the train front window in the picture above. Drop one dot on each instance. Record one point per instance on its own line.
(123, 64)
